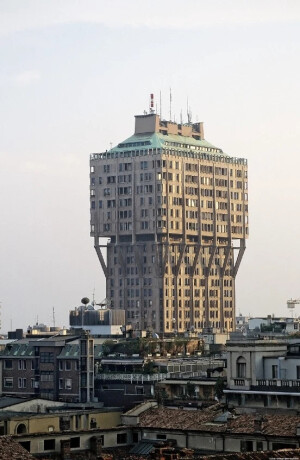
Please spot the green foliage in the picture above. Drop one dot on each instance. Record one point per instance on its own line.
(161, 396)
(107, 347)
(149, 368)
(190, 389)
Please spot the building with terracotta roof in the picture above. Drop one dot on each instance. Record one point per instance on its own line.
(214, 429)
(12, 450)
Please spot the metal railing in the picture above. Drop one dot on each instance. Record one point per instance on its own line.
(278, 383)
(137, 378)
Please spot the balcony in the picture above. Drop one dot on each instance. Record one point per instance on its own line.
(240, 384)
(292, 386)
(136, 378)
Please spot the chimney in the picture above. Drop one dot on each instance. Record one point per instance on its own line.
(96, 446)
(258, 423)
(65, 449)
(229, 422)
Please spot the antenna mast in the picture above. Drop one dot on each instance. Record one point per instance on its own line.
(151, 103)
(170, 104)
(53, 316)
(160, 104)
(189, 115)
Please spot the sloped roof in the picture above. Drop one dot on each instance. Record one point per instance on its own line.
(7, 401)
(144, 447)
(266, 455)
(18, 349)
(11, 450)
(208, 421)
(158, 140)
(69, 352)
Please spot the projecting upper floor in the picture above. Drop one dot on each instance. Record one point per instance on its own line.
(167, 178)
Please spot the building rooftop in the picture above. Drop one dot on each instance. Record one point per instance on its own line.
(158, 140)
(209, 420)
(153, 135)
(11, 450)
(7, 401)
(266, 455)
(69, 351)
(18, 349)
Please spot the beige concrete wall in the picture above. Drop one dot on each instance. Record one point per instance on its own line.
(188, 201)
(110, 440)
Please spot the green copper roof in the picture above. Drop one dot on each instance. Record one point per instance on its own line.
(158, 140)
(16, 349)
(69, 351)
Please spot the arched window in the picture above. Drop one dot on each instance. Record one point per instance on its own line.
(241, 367)
(21, 428)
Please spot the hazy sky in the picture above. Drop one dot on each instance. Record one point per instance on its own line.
(74, 73)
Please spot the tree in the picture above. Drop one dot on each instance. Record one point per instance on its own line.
(190, 389)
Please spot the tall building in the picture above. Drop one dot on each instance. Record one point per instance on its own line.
(174, 212)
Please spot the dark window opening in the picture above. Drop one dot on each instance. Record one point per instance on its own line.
(64, 423)
(93, 423)
(283, 445)
(26, 445)
(259, 445)
(121, 438)
(21, 428)
(49, 444)
(8, 364)
(75, 442)
(246, 446)
(161, 436)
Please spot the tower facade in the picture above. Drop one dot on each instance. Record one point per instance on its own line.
(174, 210)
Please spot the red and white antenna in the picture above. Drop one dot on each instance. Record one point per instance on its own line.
(151, 103)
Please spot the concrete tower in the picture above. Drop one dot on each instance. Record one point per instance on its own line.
(174, 210)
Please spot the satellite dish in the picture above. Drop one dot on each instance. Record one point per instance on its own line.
(85, 300)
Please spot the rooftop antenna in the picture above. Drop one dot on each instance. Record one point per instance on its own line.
(93, 302)
(291, 304)
(160, 104)
(189, 113)
(170, 104)
(181, 119)
(151, 103)
(110, 145)
(53, 316)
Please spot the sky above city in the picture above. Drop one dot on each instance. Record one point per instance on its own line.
(74, 73)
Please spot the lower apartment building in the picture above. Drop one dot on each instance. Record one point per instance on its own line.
(214, 430)
(263, 374)
(206, 432)
(54, 368)
(41, 426)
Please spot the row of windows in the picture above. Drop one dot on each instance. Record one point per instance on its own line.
(175, 164)
(197, 325)
(45, 377)
(45, 358)
(123, 202)
(132, 281)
